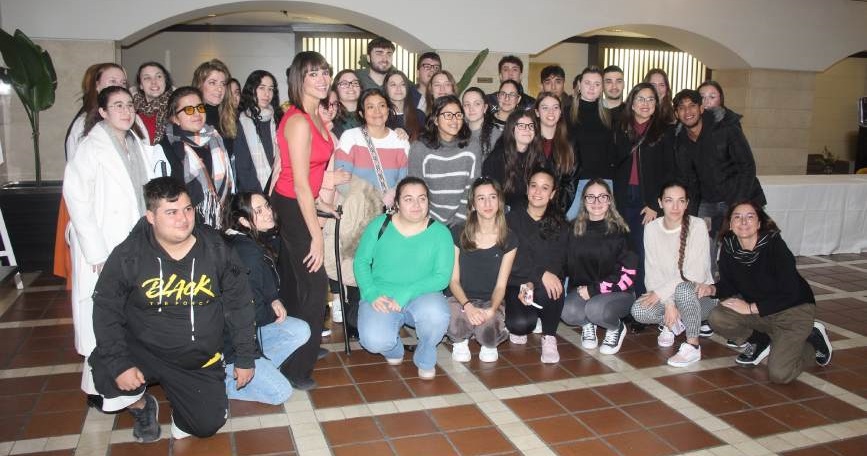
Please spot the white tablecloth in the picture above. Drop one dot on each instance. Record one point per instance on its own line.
(819, 214)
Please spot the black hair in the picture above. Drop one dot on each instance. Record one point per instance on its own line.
(612, 69)
(241, 206)
(249, 100)
(510, 59)
(687, 94)
(176, 96)
(93, 117)
(552, 70)
(552, 220)
(657, 126)
(163, 188)
(376, 91)
(379, 42)
(428, 55)
(431, 137)
(410, 180)
(167, 76)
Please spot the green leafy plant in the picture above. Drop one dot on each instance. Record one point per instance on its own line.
(471, 71)
(30, 71)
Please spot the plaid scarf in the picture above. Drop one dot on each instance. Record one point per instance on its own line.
(158, 106)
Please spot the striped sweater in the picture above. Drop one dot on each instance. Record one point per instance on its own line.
(448, 171)
(353, 155)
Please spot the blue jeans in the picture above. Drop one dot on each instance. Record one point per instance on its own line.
(716, 212)
(379, 332)
(269, 385)
(572, 213)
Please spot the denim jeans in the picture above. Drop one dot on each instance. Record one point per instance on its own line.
(269, 385)
(713, 214)
(572, 213)
(379, 332)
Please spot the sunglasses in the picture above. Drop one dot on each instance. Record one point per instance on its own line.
(190, 110)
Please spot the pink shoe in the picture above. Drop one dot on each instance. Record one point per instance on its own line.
(685, 356)
(550, 355)
(518, 340)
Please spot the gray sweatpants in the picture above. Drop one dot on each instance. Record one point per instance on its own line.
(604, 310)
(488, 334)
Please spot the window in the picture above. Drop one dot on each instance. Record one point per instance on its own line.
(346, 52)
(684, 70)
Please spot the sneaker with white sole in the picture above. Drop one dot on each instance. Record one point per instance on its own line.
(705, 330)
(146, 425)
(588, 336)
(734, 344)
(754, 353)
(177, 433)
(394, 361)
(461, 351)
(538, 328)
(818, 338)
(613, 340)
(550, 355)
(336, 311)
(488, 355)
(427, 374)
(518, 340)
(686, 355)
(665, 338)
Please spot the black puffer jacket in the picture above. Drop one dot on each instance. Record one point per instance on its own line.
(655, 167)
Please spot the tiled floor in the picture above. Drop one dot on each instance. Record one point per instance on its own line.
(588, 404)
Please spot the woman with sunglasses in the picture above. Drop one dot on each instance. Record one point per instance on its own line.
(484, 252)
(102, 189)
(601, 269)
(446, 159)
(515, 156)
(197, 155)
(644, 160)
(257, 136)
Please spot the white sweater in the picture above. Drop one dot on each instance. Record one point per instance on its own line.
(661, 249)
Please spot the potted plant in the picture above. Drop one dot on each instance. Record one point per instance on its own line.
(30, 207)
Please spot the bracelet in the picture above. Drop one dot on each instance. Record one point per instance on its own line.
(464, 305)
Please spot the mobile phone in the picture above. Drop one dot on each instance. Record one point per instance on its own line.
(527, 293)
(678, 328)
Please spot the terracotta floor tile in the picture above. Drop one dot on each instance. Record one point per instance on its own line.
(608, 421)
(686, 383)
(686, 437)
(60, 402)
(639, 443)
(796, 416)
(755, 423)
(353, 430)
(51, 424)
(397, 425)
(623, 393)
(359, 357)
(544, 372)
(642, 359)
(724, 377)
(718, 402)
(834, 409)
(757, 395)
(534, 407)
(372, 373)
(332, 359)
(582, 367)
(336, 396)
(331, 377)
(384, 391)
(63, 382)
(569, 351)
(363, 449)
(521, 356)
(17, 405)
(559, 429)
(480, 441)
(502, 377)
(137, 449)
(820, 450)
(260, 441)
(427, 445)
(248, 408)
(652, 414)
(212, 446)
(11, 427)
(438, 386)
(595, 447)
(796, 390)
(21, 385)
(580, 400)
(460, 417)
(850, 447)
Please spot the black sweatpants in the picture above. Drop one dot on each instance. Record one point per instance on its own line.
(197, 396)
(521, 319)
(306, 299)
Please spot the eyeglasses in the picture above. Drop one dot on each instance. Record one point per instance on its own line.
(121, 107)
(345, 84)
(452, 115)
(525, 126)
(749, 219)
(190, 110)
(508, 95)
(643, 100)
(333, 105)
(603, 198)
(430, 67)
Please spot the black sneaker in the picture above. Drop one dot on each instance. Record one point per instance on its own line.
(94, 401)
(613, 340)
(819, 340)
(754, 353)
(705, 330)
(323, 353)
(733, 344)
(306, 384)
(146, 425)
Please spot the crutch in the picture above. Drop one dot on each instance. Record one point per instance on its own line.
(341, 292)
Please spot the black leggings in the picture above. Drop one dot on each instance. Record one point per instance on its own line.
(302, 292)
(521, 319)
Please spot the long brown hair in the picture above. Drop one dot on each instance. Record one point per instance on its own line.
(614, 222)
(228, 112)
(657, 121)
(510, 150)
(428, 96)
(88, 84)
(666, 108)
(561, 150)
(411, 122)
(471, 228)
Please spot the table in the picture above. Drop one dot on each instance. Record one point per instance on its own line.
(819, 214)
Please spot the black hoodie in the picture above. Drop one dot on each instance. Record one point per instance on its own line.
(143, 296)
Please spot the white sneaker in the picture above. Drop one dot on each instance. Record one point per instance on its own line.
(613, 340)
(461, 351)
(427, 374)
(488, 355)
(177, 433)
(588, 336)
(550, 355)
(326, 332)
(516, 339)
(336, 311)
(538, 328)
(394, 361)
(665, 338)
(685, 356)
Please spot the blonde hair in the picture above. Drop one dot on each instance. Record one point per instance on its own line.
(228, 113)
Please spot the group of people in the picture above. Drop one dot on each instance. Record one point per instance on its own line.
(463, 215)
